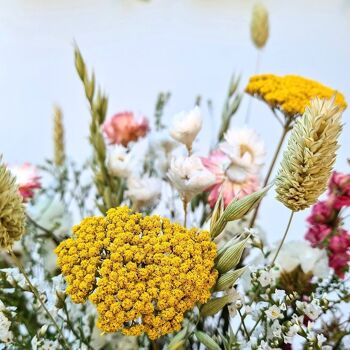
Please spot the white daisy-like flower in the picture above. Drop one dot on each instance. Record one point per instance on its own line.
(265, 278)
(291, 333)
(300, 253)
(143, 192)
(189, 176)
(246, 151)
(313, 310)
(119, 161)
(273, 312)
(5, 333)
(279, 295)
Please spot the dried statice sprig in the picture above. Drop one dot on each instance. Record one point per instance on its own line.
(310, 155)
(109, 188)
(12, 215)
(259, 26)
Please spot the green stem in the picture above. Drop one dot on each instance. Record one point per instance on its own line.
(37, 295)
(272, 165)
(185, 204)
(283, 238)
(154, 345)
(243, 324)
(256, 324)
(250, 101)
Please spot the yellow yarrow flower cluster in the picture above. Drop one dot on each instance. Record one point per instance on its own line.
(290, 93)
(142, 273)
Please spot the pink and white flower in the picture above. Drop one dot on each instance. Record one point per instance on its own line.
(27, 178)
(124, 128)
(236, 165)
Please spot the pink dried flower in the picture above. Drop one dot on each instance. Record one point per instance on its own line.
(340, 242)
(339, 188)
(340, 263)
(236, 164)
(317, 234)
(232, 181)
(325, 230)
(123, 128)
(321, 212)
(27, 178)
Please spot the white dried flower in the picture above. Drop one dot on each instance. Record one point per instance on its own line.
(246, 150)
(189, 176)
(320, 339)
(160, 150)
(265, 278)
(279, 295)
(275, 330)
(300, 253)
(313, 310)
(186, 126)
(273, 312)
(143, 192)
(291, 333)
(161, 140)
(5, 333)
(118, 161)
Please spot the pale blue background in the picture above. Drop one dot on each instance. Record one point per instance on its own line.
(138, 48)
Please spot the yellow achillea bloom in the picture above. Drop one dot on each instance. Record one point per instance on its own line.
(290, 93)
(142, 273)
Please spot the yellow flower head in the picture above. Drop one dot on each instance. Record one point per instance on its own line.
(142, 273)
(290, 93)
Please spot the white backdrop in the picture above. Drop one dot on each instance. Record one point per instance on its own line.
(138, 48)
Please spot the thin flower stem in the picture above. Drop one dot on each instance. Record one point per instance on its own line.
(250, 101)
(34, 223)
(185, 204)
(37, 295)
(256, 324)
(154, 345)
(243, 323)
(283, 238)
(189, 150)
(47, 232)
(269, 172)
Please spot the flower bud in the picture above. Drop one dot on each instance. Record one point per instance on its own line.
(186, 127)
(228, 279)
(231, 257)
(208, 342)
(179, 341)
(237, 209)
(213, 306)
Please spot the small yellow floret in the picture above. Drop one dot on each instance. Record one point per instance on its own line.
(143, 273)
